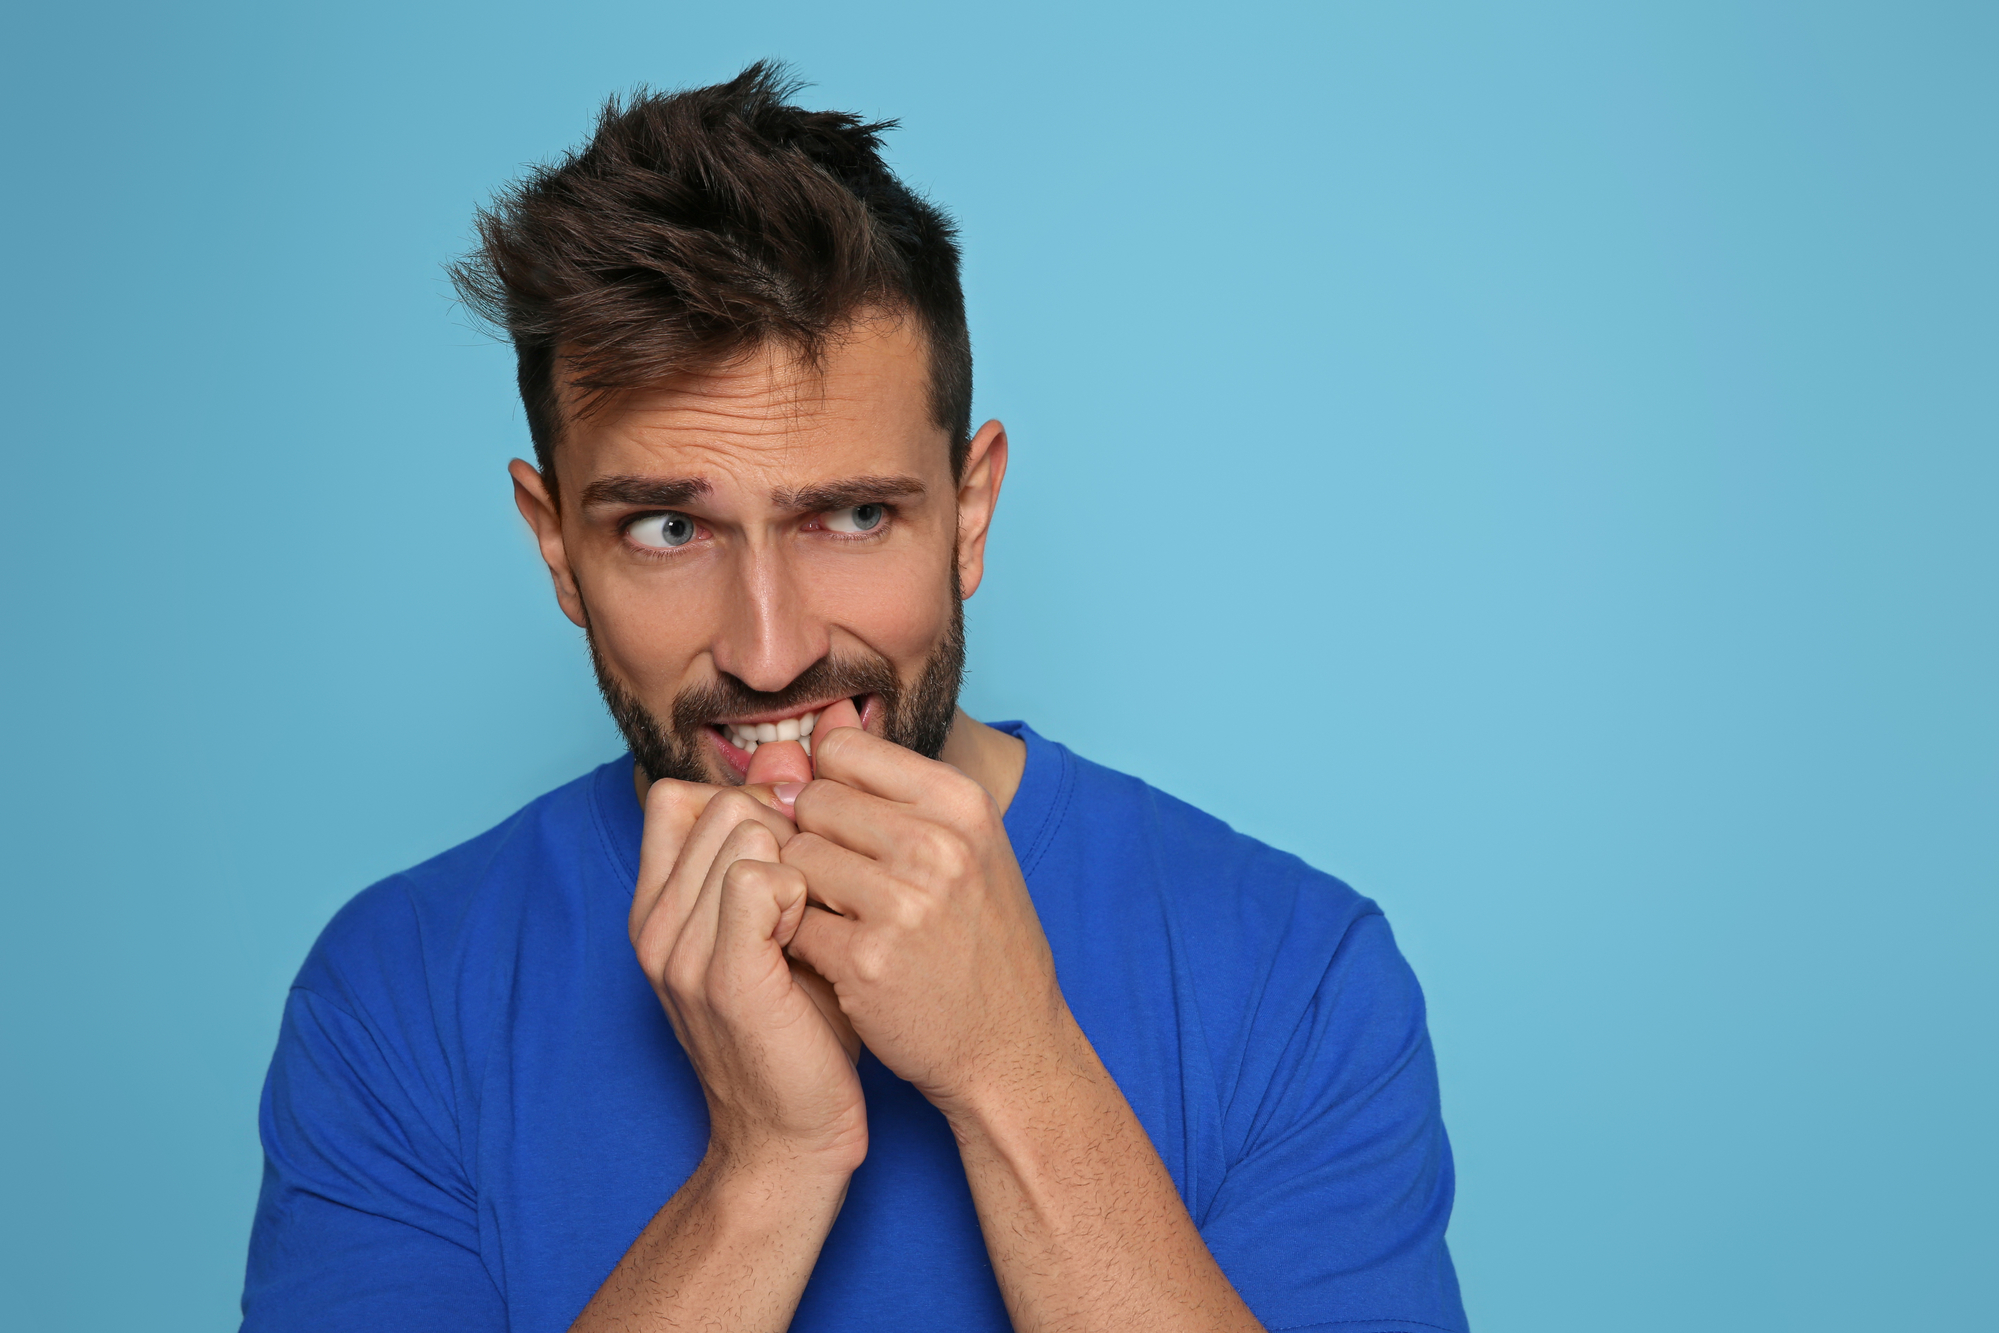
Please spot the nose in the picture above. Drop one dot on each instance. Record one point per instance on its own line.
(768, 634)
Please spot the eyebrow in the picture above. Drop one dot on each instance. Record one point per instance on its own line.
(663, 492)
(671, 492)
(846, 493)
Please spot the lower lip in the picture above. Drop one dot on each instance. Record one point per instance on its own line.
(737, 759)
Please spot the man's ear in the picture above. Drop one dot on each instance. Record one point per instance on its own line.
(978, 496)
(538, 507)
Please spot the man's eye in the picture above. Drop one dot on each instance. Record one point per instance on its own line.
(662, 531)
(860, 518)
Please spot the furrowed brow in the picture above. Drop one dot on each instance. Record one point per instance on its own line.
(662, 492)
(846, 493)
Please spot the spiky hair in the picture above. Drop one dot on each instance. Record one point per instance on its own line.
(698, 225)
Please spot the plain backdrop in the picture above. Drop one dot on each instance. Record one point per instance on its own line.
(1535, 460)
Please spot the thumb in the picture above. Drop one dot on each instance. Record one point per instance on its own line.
(839, 713)
(779, 761)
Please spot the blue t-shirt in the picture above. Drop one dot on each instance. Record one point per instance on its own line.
(477, 1103)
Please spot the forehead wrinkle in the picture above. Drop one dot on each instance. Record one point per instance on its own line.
(745, 461)
(775, 387)
(708, 424)
(765, 379)
(761, 428)
(756, 412)
(761, 388)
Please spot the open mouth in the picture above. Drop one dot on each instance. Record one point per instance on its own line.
(739, 740)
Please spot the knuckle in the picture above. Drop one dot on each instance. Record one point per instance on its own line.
(750, 838)
(734, 806)
(682, 972)
(910, 912)
(735, 798)
(965, 798)
(946, 851)
(673, 810)
(648, 943)
(871, 959)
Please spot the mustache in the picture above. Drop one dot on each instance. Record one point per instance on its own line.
(828, 678)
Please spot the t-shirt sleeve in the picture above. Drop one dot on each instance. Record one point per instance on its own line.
(366, 1221)
(1333, 1214)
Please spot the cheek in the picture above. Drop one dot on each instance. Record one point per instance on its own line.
(898, 608)
(650, 635)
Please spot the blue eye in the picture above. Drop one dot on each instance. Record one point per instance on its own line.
(860, 518)
(662, 531)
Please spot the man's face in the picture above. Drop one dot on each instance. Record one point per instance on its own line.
(748, 544)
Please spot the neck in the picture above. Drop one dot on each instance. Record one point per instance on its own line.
(990, 758)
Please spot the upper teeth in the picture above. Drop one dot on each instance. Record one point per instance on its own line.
(747, 736)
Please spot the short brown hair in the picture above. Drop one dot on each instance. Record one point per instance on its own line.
(698, 225)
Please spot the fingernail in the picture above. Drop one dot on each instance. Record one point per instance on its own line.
(787, 792)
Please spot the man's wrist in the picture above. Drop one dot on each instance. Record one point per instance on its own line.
(758, 1191)
(1041, 1084)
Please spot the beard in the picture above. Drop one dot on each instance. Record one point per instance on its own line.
(916, 715)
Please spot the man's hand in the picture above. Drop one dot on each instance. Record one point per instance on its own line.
(712, 914)
(896, 883)
(923, 923)
(929, 935)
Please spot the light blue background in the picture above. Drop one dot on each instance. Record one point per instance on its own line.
(1535, 460)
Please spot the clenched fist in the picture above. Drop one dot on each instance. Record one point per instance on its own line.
(921, 920)
(713, 912)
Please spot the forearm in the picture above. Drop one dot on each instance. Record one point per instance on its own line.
(1084, 1226)
(731, 1250)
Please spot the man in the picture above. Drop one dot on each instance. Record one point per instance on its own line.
(828, 1007)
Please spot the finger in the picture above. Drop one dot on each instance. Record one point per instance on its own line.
(828, 1000)
(854, 819)
(824, 942)
(760, 910)
(671, 808)
(779, 761)
(757, 907)
(841, 881)
(749, 840)
(839, 713)
(880, 767)
(785, 766)
(671, 901)
(767, 793)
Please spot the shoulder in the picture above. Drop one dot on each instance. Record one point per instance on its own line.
(447, 916)
(1160, 851)
(1206, 964)
(1128, 875)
